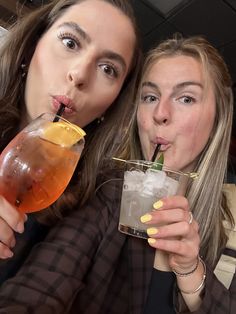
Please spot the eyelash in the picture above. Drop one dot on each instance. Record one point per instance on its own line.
(113, 68)
(71, 37)
(193, 100)
(144, 98)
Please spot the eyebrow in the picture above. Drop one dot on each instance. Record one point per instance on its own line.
(176, 87)
(186, 84)
(108, 53)
(150, 84)
(77, 29)
(116, 57)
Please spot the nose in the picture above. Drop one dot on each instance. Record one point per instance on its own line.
(162, 112)
(79, 73)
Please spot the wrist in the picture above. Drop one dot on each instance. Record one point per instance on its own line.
(193, 283)
(181, 273)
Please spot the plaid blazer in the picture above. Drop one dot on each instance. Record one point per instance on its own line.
(86, 266)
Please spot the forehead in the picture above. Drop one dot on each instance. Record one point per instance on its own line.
(176, 67)
(102, 21)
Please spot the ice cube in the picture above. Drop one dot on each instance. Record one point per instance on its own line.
(153, 181)
(133, 180)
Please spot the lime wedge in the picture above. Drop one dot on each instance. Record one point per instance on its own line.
(63, 133)
(158, 164)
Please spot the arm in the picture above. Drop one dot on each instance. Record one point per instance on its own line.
(34, 232)
(215, 298)
(177, 237)
(55, 270)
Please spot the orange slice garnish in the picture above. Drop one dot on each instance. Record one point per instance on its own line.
(63, 133)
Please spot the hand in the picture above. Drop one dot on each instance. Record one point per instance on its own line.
(10, 220)
(173, 232)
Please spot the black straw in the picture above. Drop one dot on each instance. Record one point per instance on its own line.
(59, 112)
(156, 152)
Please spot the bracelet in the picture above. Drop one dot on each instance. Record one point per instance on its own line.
(190, 272)
(202, 282)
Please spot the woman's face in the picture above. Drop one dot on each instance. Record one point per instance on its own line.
(81, 61)
(176, 111)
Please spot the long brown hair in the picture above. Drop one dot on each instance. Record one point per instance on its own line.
(17, 49)
(205, 194)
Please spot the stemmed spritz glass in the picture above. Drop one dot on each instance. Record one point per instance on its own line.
(37, 165)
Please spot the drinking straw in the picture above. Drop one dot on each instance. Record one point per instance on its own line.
(59, 112)
(154, 156)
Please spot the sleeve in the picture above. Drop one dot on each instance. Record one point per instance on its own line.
(54, 272)
(34, 232)
(216, 299)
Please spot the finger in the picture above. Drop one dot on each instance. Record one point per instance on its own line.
(181, 248)
(180, 229)
(7, 236)
(5, 252)
(12, 217)
(175, 201)
(167, 216)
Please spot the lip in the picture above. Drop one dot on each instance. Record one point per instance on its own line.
(57, 100)
(165, 144)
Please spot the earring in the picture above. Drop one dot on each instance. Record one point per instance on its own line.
(23, 69)
(100, 120)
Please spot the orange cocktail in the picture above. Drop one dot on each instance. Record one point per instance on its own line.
(38, 163)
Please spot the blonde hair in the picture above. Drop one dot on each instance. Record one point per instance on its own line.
(205, 194)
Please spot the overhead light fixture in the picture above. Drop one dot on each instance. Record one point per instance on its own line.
(166, 7)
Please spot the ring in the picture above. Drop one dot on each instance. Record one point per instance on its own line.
(190, 218)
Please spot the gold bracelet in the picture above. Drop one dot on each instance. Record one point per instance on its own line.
(202, 282)
(190, 272)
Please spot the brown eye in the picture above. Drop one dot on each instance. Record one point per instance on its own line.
(70, 43)
(109, 70)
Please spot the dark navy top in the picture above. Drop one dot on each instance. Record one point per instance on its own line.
(160, 296)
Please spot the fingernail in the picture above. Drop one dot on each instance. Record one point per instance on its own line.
(146, 218)
(20, 227)
(158, 204)
(151, 231)
(7, 253)
(151, 240)
(25, 217)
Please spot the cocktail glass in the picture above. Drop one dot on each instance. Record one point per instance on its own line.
(37, 165)
(143, 186)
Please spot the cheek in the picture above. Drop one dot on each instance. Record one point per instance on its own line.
(196, 134)
(143, 124)
(37, 65)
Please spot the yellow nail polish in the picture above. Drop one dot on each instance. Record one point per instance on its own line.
(146, 218)
(151, 240)
(151, 231)
(158, 204)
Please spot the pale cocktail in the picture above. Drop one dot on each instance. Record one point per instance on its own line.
(142, 187)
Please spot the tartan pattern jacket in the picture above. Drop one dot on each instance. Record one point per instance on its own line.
(86, 266)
